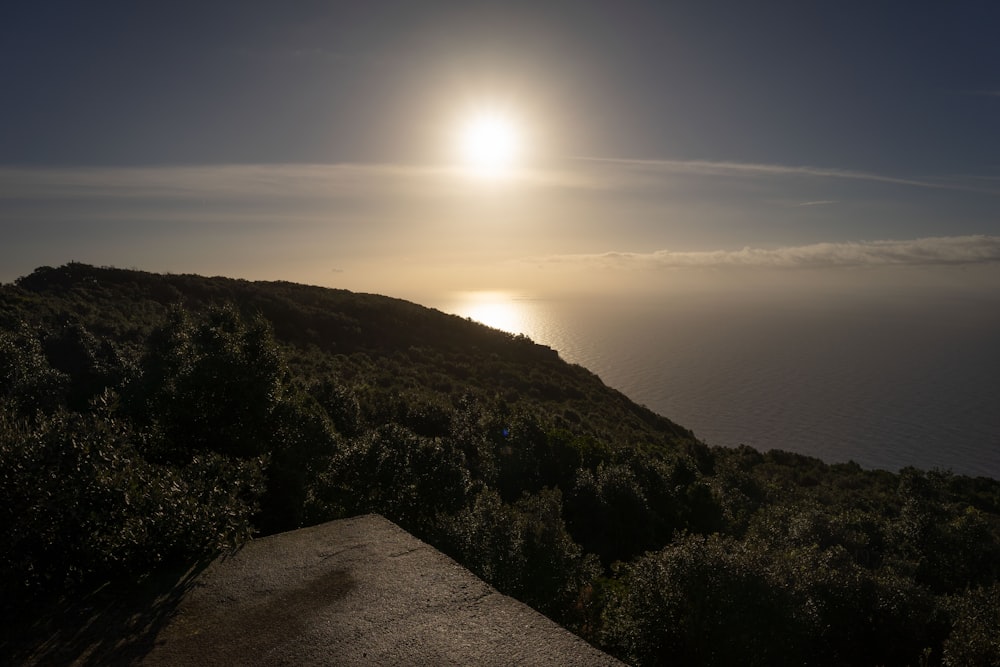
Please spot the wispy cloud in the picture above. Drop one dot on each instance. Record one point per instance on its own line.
(709, 168)
(219, 182)
(948, 250)
(325, 181)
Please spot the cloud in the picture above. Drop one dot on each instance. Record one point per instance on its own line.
(749, 169)
(821, 202)
(274, 182)
(252, 183)
(934, 251)
(213, 182)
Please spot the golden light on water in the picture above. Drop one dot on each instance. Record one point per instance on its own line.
(497, 309)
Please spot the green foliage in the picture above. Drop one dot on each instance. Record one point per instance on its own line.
(609, 513)
(340, 404)
(303, 443)
(392, 471)
(703, 601)
(90, 364)
(154, 420)
(211, 385)
(81, 504)
(947, 544)
(27, 381)
(523, 549)
(975, 636)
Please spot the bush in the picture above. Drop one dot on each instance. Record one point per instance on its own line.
(82, 505)
(703, 601)
(975, 635)
(523, 549)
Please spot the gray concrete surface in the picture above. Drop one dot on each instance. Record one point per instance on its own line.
(359, 591)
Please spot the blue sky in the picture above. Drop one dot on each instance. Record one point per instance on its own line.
(308, 140)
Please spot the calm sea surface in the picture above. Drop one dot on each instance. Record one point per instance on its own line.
(884, 381)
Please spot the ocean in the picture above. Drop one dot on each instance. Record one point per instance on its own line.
(885, 380)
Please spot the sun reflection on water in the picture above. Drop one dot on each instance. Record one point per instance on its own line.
(497, 309)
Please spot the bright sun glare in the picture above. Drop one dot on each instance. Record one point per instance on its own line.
(500, 310)
(489, 142)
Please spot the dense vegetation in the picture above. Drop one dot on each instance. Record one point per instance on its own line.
(149, 421)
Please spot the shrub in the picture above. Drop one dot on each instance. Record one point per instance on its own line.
(83, 506)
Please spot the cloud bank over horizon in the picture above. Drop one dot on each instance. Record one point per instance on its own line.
(930, 251)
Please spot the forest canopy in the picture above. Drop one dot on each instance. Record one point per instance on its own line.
(149, 422)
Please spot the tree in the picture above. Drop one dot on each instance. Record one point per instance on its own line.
(81, 505)
(211, 385)
(975, 635)
(523, 549)
(703, 601)
(27, 380)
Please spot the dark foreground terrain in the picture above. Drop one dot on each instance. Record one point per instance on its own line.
(151, 422)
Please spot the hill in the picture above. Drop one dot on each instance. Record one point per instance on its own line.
(149, 421)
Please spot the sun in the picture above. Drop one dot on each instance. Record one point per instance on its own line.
(489, 142)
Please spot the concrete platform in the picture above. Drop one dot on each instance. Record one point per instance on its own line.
(358, 591)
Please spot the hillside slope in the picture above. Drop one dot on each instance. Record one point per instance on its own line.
(149, 421)
(390, 342)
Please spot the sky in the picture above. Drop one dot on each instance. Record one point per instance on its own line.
(663, 143)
